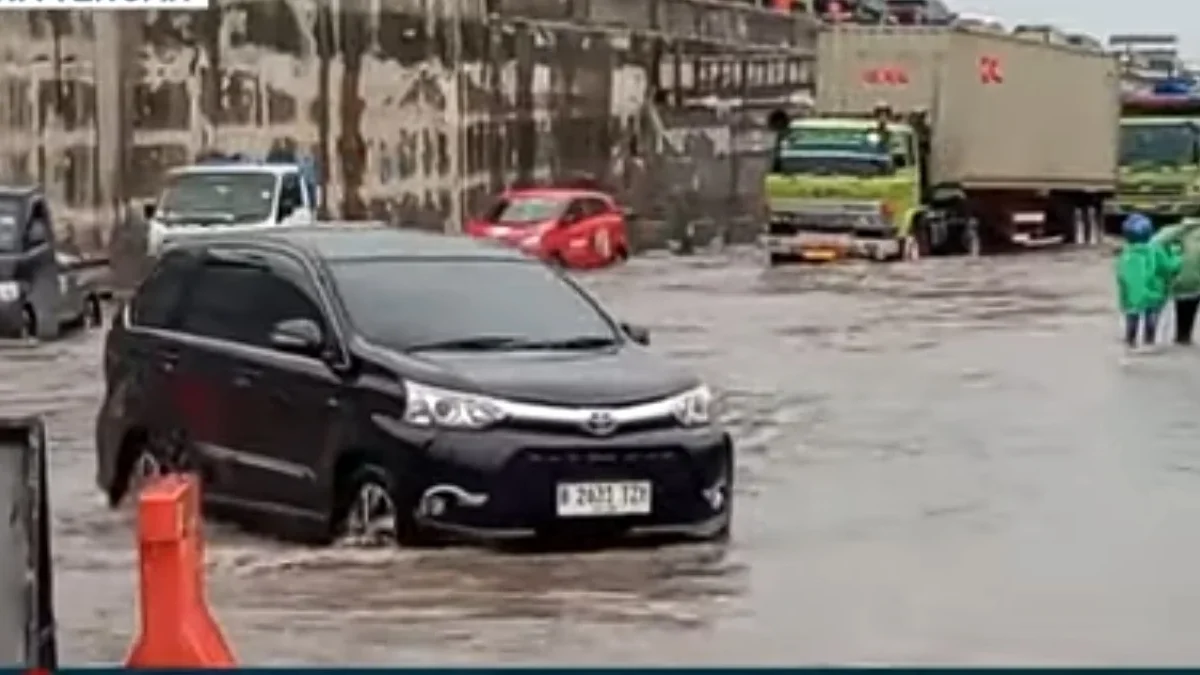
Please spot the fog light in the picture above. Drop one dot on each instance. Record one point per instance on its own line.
(716, 496)
(436, 506)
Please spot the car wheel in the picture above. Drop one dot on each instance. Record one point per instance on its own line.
(93, 312)
(29, 324)
(371, 512)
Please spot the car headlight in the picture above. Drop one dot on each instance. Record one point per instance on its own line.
(693, 408)
(10, 291)
(433, 407)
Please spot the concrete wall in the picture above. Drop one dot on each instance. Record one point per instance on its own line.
(415, 109)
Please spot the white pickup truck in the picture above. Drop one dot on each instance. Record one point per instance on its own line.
(228, 195)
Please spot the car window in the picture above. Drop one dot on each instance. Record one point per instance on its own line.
(38, 234)
(595, 207)
(522, 209)
(242, 303)
(404, 303)
(291, 196)
(154, 304)
(575, 212)
(12, 212)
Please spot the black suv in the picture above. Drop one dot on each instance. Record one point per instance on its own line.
(363, 381)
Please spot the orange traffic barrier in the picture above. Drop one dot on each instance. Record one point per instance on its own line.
(177, 628)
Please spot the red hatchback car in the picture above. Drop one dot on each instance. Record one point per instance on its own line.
(571, 227)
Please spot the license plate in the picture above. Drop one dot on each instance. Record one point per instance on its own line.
(626, 498)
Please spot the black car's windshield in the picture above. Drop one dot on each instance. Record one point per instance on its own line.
(1159, 144)
(413, 304)
(11, 213)
(218, 196)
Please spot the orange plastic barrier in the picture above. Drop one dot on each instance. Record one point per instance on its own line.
(178, 630)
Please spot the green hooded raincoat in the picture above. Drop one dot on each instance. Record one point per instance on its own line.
(1186, 236)
(1145, 271)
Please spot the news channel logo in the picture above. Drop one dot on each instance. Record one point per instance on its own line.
(182, 5)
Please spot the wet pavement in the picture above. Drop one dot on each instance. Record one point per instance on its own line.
(945, 461)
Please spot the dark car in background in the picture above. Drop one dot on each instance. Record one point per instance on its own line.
(41, 288)
(378, 382)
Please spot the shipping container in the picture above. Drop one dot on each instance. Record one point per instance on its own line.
(1006, 111)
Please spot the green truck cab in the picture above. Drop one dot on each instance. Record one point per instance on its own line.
(843, 186)
(1159, 160)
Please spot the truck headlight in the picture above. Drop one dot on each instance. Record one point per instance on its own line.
(693, 408)
(427, 406)
(10, 291)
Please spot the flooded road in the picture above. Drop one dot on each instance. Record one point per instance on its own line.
(944, 461)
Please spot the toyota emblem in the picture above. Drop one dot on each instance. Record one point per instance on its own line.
(600, 423)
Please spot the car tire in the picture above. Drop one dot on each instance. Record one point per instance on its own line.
(372, 509)
(29, 323)
(93, 312)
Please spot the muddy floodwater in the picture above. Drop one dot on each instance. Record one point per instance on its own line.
(939, 461)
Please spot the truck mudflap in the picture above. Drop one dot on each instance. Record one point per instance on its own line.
(825, 247)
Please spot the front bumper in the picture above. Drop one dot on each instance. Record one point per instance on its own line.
(502, 484)
(1162, 208)
(818, 246)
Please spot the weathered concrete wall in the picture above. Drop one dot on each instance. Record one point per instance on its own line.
(416, 109)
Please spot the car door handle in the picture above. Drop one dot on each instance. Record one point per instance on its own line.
(168, 360)
(246, 378)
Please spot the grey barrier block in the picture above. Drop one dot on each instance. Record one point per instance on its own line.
(27, 630)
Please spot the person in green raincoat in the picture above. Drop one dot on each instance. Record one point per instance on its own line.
(1185, 290)
(1145, 271)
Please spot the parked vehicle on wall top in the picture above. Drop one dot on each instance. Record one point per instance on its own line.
(42, 290)
(1160, 159)
(384, 383)
(940, 140)
(570, 226)
(230, 192)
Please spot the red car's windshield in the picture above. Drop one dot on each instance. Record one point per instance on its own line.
(526, 210)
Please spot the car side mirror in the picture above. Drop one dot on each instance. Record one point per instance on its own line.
(638, 334)
(149, 209)
(298, 336)
(628, 213)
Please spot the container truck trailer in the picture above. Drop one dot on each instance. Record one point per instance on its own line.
(935, 140)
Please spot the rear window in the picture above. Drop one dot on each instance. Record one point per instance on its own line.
(402, 303)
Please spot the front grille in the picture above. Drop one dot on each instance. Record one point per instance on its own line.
(1152, 190)
(575, 429)
(603, 458)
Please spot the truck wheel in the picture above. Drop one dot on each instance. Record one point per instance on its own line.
(1080, 226)
(972, 242)
(777, 259)
(1095, 219)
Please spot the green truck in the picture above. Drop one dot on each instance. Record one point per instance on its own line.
(935, 140)
(1159, 158)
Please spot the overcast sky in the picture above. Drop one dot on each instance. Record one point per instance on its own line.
(1100, 18)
